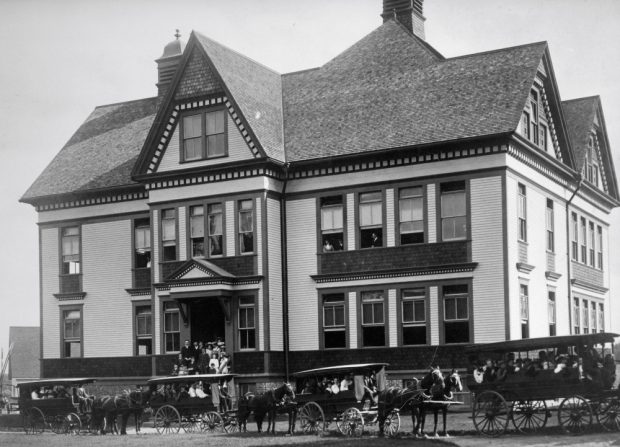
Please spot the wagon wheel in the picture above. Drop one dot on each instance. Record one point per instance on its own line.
(190, 424)
(490, 413)
(33, 421)
(312, 418)
(211, 422)
(231, 423)
(71, 424)
(352, 422)
(608, 414)
(56, 424)
(391, 425)
(575, 415)
(529, 416)
(167, 420)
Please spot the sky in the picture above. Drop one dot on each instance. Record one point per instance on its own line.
(62, 58)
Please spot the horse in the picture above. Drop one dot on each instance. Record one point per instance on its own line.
(106, 409)
(439, 390)
(276, 400)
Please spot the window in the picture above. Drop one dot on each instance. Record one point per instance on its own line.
(522, 212)
(411, 215)
(197, 230)
(592, 239)
(574, 237)
(453, 211)
(332, 226)
(576, 316)
(593, 317)
(525, 125)
(72, 333)
(549, 222)
(247, 327)
(334, 329)
(373, 321)
(144, 331)
(544, 137)
(216, 229)
(204, 136)
(551, 312)
(169, 234)
(371, 219)
(583, 240)
(599, 247)
(246, 226)
(142, 243)
(456, 313)
(591, 167)
(525, 312)
(71, 250)
(172, 327)
(584, 317)
(413, 302)
(601, 317)
(534, 108)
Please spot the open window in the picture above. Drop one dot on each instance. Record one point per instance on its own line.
(332, 223)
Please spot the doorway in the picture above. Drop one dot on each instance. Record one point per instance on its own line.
(207, 320)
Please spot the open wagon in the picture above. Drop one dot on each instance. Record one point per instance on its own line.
(516, 381)
(57, 404)
(350, 409)
(174, 409)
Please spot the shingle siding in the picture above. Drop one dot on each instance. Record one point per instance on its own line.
(197, 79)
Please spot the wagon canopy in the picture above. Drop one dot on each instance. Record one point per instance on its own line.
(531, 344)
(209, 378)
(342, 369)
(55, 382)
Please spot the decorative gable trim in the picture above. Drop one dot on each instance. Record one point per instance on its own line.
(196, 104)
(551, 124)
(602, 170)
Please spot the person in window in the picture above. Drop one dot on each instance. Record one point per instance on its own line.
(346, 383)
(182, 394)
(34, 395)
(200, 393)
(327, 246)
(192, 390)
(375, 240)
(335, 389)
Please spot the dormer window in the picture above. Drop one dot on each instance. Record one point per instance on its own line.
(591, 167)
(203, 136)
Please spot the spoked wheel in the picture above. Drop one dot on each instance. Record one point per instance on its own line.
(391, 425)
(231, 423)
(608, 414)
(352, 422)
(33, 421)
(71, 424)
(529, 416)
(211, 422)
(312, 418)
(490, 413)
(575, 415)
(190, 424)
(167, 420)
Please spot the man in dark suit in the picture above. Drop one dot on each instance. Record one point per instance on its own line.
(187, 354)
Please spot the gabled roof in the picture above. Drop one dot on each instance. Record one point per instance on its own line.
(389, 91)
(102, 152)
(208, 268)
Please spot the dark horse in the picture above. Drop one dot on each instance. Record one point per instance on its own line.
(439, 389)
(106, 410)
(277, 400)
(396, 398)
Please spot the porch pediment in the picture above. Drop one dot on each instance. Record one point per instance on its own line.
(198, 269)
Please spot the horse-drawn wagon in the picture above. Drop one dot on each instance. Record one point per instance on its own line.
(58, 404)
(520, 381)
(193, 403)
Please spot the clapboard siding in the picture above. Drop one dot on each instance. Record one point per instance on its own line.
(393, 330)
(93, 211)
(352, 320)
(229, 219)
(432, 213)
(274, 255)
(351, 222)
(389, 212)
(434, 313)
(210, 189)
(303, 307)
(237, 150)
(49, 285)
(259, 252)
(182, 232)
(107, 273)
(155, 245)
(487, 251)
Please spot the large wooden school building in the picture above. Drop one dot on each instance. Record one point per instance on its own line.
(390, 205)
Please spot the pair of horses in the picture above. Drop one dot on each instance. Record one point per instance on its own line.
(433, 393)
(276, 401)
(106, 411)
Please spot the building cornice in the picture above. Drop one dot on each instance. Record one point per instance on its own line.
(399, 273)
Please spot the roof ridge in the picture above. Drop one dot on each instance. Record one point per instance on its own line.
(202, 36)
(125, 102)
(499, 50)
(581, 99)
(427, 46)
(300, 71)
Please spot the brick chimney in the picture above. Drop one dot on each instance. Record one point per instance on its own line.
(407, 12)
(167, 64)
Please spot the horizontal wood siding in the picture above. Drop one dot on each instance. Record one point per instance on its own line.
(434, 313)
(237, 150)
(389, 212)
(229, 220)
(487, 250)
(107, 315)
(182, 232)
(155, 245)
(303, 307)
(393, 333)
(351, 222)
(259, 259)
(352, 320)
(92, 211)
(49, 285)
(275, 274)
(432, 213)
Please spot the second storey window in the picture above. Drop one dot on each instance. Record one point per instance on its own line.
(246, 226)
(332, 223)
(72, 333)
(216, 229)
(197, 230)
(371, 219)
(456, 313)
(414, 316)
(549, 222)
(172, 327)
(144, 332)
(247, 328)
(142, 242)
(574, 237)
(334, 329)
(551, 312)
(169, 234)
(204, 136)
(525, 310)
(71, 250)
(599, 247)
(411, 215)
(453, 211)
(522, 212)
(584, 240)
(373, 320)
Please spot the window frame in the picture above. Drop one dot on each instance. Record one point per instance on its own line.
(163, 312)
(534, 117)
(397, 221)
(583, 239)
(576, 309)
(136, 305)
(162, 260)
(521, 212)
(321, 320)
(442, 310)
(574, 237)
(360, 316)
(140, 223)
(440, 218)
(599, 247)
(208, 235)
(550, 225)
(524, 309)
(358, 223)
(238, 223)
(552, 313)
(319, 216)
(63, 339)
(203, 134)
(592, 244)
(190, 239)
(239, 329)
(79, 244)
(401, 324)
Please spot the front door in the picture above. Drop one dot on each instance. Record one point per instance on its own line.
(207, 320)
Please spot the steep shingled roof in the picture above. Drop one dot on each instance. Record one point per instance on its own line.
(101, 153)
(579, 115)
(387, 91)
(257, 91)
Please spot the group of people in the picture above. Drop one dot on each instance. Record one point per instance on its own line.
(217, 392)
(336, 384)
(586, 365)
(46, 392)
(203, 358)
